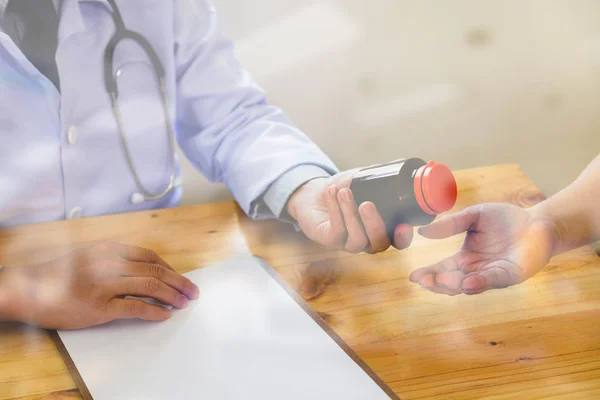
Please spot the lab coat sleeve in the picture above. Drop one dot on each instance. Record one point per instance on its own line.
(272, 204)
(224, 125)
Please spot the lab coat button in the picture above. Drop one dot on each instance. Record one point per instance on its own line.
(75, 213)
(72, 135)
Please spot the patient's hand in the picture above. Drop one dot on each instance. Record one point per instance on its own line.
(504, 246)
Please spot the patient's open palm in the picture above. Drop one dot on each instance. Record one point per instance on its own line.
(504, 246)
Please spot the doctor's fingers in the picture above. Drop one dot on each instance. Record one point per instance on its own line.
(133, 308)
(335, 234)
(357, 239)
(374, 226)
(167, 276)
(403, 236)
(145, 287)
(130, 253)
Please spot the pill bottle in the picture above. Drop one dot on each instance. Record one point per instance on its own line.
(407, 191)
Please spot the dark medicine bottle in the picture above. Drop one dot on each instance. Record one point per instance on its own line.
(408, 191)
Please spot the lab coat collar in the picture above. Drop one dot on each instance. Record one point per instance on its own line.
(71, 18)
(103, 2)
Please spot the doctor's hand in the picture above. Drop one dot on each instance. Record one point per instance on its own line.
(89, 287)
(504, 246)
(327, 213)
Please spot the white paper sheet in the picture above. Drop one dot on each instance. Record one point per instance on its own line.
(244, 338)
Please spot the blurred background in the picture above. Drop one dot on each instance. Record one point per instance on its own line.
(468, 83)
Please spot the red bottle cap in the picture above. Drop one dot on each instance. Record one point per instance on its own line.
(435, 188)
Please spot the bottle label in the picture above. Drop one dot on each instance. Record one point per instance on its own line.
(380, 170)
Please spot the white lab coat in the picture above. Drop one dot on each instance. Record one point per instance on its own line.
(60, 153)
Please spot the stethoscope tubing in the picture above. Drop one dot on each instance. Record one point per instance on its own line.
(110, 81)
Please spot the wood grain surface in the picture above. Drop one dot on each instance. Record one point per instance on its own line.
(540, 339)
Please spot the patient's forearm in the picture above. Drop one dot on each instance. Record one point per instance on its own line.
(575, 211)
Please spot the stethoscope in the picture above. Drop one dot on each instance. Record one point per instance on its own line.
(110, 81)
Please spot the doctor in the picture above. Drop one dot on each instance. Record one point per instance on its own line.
(95, 94)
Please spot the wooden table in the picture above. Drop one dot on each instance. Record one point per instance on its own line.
(539, 339)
